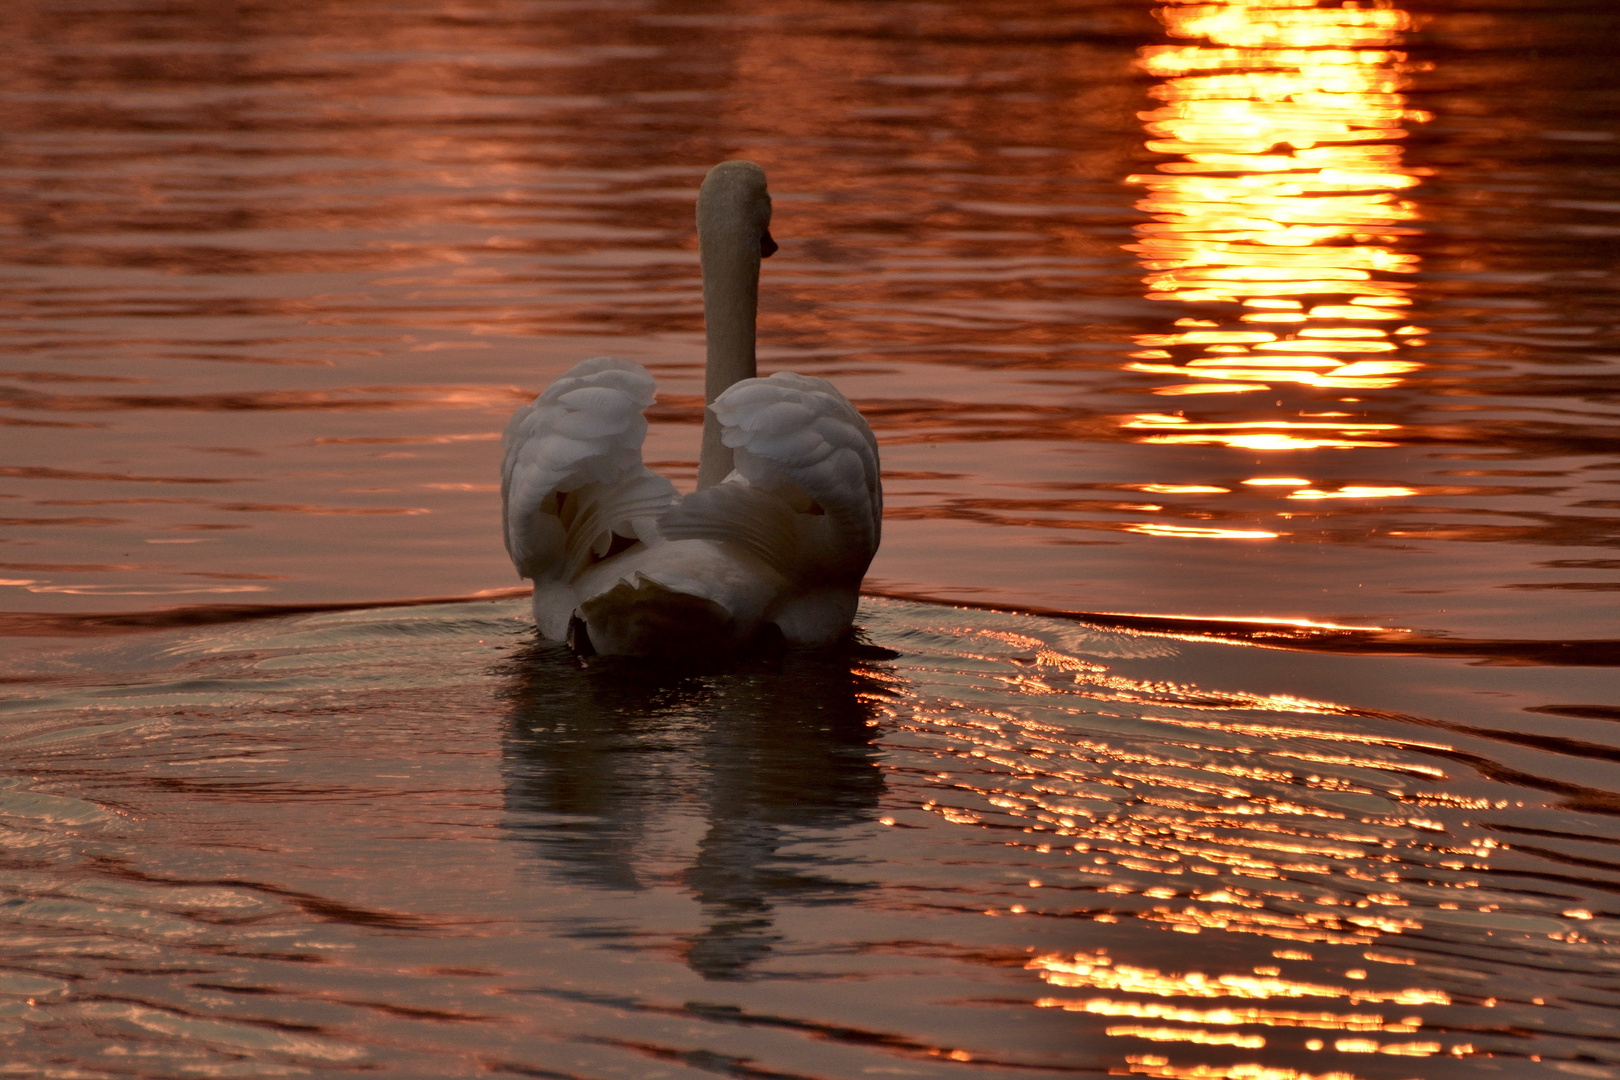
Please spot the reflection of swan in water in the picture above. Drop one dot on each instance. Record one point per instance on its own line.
(787, 513)
(599, 758)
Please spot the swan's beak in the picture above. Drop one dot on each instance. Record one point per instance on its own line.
(767, 246)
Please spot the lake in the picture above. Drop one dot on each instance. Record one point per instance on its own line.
(1233, 688)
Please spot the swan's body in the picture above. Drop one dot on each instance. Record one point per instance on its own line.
(787, 514)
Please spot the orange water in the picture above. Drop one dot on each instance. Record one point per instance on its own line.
(1276, 336)
(1257, 310)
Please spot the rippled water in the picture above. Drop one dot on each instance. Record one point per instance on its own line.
(272, 282)
(414, 841)
(1278, 337)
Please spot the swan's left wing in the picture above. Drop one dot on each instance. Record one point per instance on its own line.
(806, 497)
(572, 478)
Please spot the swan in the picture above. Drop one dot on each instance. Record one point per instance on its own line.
(788, 508)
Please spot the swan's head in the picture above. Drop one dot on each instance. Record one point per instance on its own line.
(734, 203)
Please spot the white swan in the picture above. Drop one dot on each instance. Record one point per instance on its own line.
(788, 508)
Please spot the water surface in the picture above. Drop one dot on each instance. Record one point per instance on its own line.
(417, 842)
(1275, 338)
(1246, 309)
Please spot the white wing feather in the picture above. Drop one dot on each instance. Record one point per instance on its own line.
(784, 540)
(806, 497)
(572, 476)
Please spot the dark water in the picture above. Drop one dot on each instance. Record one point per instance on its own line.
(414, 842)
(1280, 337)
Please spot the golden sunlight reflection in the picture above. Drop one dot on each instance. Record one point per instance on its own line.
(1150, 528)
(1206, 1038)
(1355, 491)
(1282, 213)
(1259, 434)
(1099, 972)
(1159, 1068)
(1153, 1010)
(1182, 489)
(1317, 858)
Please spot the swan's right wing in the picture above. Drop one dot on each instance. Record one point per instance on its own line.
(572, 478)
(811, 501)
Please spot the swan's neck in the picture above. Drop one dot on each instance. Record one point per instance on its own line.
(728, 245)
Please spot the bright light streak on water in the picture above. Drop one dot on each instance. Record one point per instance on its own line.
(1320, 410)
(412, 841)
(269, 290)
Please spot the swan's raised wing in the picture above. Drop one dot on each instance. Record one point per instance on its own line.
(806, 497)
(572, 478)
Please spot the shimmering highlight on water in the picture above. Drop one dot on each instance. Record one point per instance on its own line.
(270, 291)
(1277, 336)
(418, 842)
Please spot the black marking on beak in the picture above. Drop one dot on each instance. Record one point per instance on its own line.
(767, 246)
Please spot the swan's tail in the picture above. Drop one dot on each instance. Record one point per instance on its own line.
(806, 497)
(642, 617)
(573, 488)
